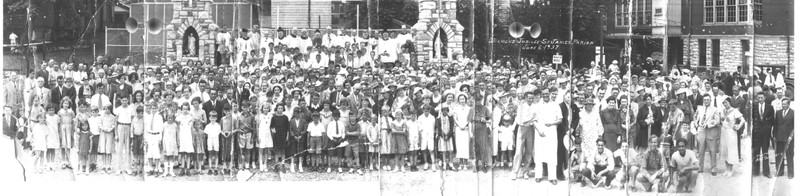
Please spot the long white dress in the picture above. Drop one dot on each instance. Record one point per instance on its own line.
(727, 143)
(264, 133)
(462, 135)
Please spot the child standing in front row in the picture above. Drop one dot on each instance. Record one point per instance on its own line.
(53, 142)
(137, 128)
(413, 139)
(169, 141)
(153, 126)
(212, 130)
(228, 123)
(373, 140)
(84, 146)
(38, 137)
(105, 146)
(506, 138)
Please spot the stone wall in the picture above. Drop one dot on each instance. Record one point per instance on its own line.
(197, 15)
(432, 16)
(774, 50)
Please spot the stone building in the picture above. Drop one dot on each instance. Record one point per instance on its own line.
(706, 34)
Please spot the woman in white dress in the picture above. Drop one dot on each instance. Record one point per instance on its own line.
(462, 131)
(732, 120)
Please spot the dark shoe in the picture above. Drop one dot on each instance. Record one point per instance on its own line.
(713, 173)
(780, 174)
(210, 172)
(555, 182)
(538, 180)
(767, 175)
(485, 169)
(791, 176)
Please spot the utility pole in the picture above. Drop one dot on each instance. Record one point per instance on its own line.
(491, 32)
(571, 35)
(472, 28)
(665, 41)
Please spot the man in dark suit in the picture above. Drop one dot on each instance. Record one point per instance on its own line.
(696, 98)
(43, 73)
(337, 95)
(213, 105)
(783, 135)
(739, 102)
(56, 93)
(763, 120)
(569, 123)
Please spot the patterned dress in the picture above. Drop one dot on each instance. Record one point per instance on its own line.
(170, 139)
(67, 128)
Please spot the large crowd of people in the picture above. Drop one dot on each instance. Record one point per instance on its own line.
(319, 101)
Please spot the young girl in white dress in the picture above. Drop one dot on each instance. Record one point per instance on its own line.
(264, 141)
(185, 140)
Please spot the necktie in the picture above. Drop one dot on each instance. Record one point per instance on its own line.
(761, 112)
(785, 111)
(337, 127)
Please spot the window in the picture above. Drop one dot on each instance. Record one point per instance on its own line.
(715, 52)
(642, 13)
(726, 11)
(702, 50)
(758, 8)
(743, 13)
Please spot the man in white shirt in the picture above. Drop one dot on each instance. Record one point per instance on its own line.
(545, 136)
(526, 117)
(685, 163)
(125, 114)
(100, 99)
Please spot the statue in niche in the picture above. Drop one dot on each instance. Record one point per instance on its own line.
(191, 44)
(440, 44)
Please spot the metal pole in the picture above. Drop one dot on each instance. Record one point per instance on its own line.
(358, 17)
(491, 32)
(369, 15)
(602, 60)
(309, 13)
(628, 41)
(571, 34)
(665, 41)
(472, 27)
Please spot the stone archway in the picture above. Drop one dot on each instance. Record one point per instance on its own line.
(191, 42)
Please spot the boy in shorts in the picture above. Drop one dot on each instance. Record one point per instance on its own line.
(212, 131)
(315, 131)
(245, 127)
(351, 151)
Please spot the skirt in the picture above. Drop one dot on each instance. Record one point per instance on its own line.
(106, 143)
(463, 147)
(65, 134)
(197, 142)
(386, 142)
(445, 144)
(264, 138)
(52, 139)
(226, 147)
(137, 147)
(399, 144)
(84, 143)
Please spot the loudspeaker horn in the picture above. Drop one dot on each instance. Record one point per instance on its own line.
(131, 25)
(516, 30)
(154, 26)
(535, 29)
